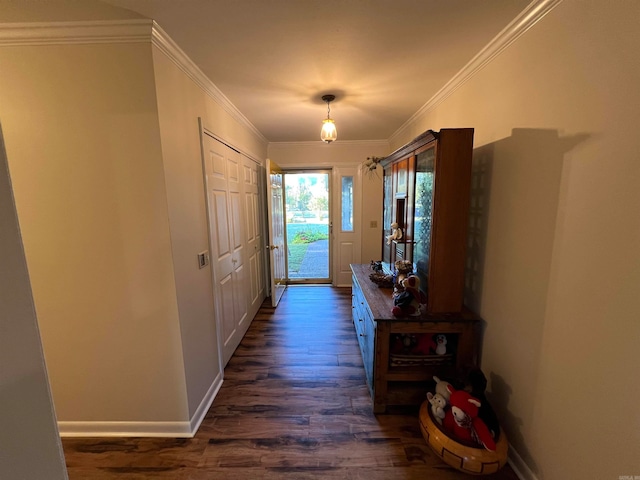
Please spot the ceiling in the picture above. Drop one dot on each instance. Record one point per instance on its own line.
(274, 59)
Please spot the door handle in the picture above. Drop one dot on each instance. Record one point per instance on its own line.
(272, 247)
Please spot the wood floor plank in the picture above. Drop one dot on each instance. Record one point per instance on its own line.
(294, 404)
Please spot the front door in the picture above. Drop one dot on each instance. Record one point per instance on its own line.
(276, 246)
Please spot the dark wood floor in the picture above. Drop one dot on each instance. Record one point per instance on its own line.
(294, 404)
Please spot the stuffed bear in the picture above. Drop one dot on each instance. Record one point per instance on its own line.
(442, 388)
(404, 268)
(462, 421)
(408, 301)
(438, 404)
(396, 233)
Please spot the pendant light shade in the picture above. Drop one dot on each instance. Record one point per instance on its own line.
(328, 133)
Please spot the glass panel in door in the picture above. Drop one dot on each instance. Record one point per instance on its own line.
(307, 226)
(425, 173)
(386, 215)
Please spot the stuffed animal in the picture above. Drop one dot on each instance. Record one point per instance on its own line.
(408, 301)
(440, 341)
(424, 344)
(438, 404)
(403, 269)
(396, 233)
(462, 421)
(442, 388)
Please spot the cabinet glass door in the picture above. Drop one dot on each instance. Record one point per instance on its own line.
(386, 214)
(425, 175)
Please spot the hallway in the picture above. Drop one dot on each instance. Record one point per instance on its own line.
(294, 404)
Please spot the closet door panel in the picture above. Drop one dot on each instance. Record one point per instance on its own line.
(227, 217)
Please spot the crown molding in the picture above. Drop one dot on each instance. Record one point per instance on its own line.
(345, 143)
(119, 31)
(532, 14)
(166, 45)
(62, 33)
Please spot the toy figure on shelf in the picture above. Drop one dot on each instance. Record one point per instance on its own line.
(378, 276)
(403, 269)
(402, 343)
(396, 233)
(440, 341)
(408, 301)
(428, 344)
(424, 344)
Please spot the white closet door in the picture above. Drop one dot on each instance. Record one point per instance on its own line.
(253, 234)
(226, 216)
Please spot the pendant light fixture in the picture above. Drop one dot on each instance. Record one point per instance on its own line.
(328, 133)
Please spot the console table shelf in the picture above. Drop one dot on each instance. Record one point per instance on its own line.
(396, 378)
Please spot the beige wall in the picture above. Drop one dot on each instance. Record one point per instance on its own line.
(106, 160)
(558, 212)
(346, 154)
(180, 103)
(82, 136)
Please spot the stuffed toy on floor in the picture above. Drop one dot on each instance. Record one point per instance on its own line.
(462, 421)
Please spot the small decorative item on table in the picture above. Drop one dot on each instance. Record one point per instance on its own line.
(378, 276)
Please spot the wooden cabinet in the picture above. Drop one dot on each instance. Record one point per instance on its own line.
(397, 377)
(427, 187)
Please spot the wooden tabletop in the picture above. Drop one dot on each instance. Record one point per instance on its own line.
(380, 302)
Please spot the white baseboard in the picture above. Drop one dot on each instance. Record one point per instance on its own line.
(125, 429)
(144, 429)
(206, 402)
(518, 465)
